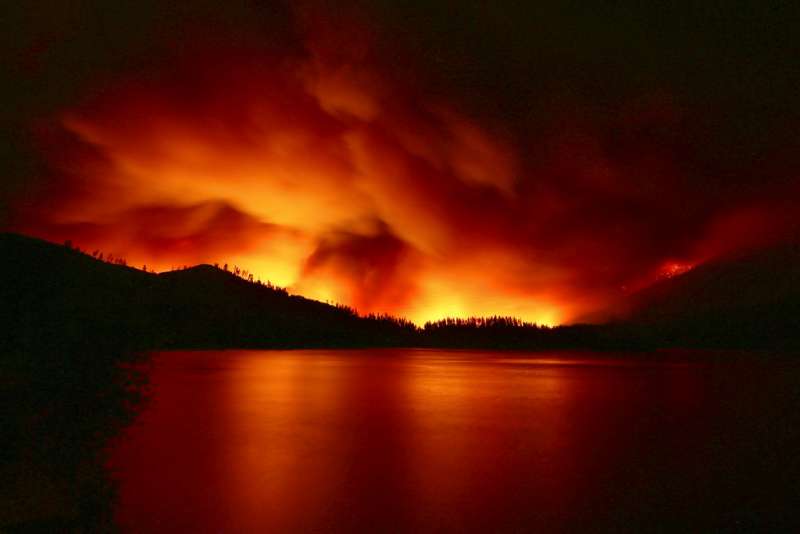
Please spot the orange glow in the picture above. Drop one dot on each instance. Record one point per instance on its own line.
(674, 268)
(331, 174)
(339, 192)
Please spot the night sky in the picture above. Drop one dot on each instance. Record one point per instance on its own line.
(446, 158)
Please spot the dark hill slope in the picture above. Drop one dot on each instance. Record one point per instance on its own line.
(205, 306)
(746, 301)
(54, 295)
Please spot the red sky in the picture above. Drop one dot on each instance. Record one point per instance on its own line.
(344, 164)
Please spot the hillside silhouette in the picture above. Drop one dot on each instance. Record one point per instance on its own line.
(57, 293)
(56, 296)
(746, 301)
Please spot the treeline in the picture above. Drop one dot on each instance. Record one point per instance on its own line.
(750, 303)
(64, 292)
(494, 321)
(513, 333)
(235, 270)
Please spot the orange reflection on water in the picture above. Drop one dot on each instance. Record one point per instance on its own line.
(393, 440)
(274, 441)
(475, 419)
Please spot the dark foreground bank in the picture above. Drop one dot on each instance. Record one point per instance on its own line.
(60, 410)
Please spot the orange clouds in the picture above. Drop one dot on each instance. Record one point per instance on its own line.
(307, 176)
(325, 172)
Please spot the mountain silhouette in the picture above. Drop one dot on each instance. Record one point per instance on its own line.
(747, 301)
(55, 296)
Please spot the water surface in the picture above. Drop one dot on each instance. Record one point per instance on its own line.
(455, 441)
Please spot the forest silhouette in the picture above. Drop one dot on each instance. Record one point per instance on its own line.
(58, 293)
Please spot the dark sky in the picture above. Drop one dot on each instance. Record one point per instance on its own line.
(408, 157)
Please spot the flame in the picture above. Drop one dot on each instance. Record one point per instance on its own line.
(674, 268)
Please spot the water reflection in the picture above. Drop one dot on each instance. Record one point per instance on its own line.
(403, 440)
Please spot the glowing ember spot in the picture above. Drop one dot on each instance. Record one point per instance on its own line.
(672, 269)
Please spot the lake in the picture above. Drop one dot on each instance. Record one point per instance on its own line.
(461, 441)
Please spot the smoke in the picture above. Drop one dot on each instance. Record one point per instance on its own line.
(321, 166)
